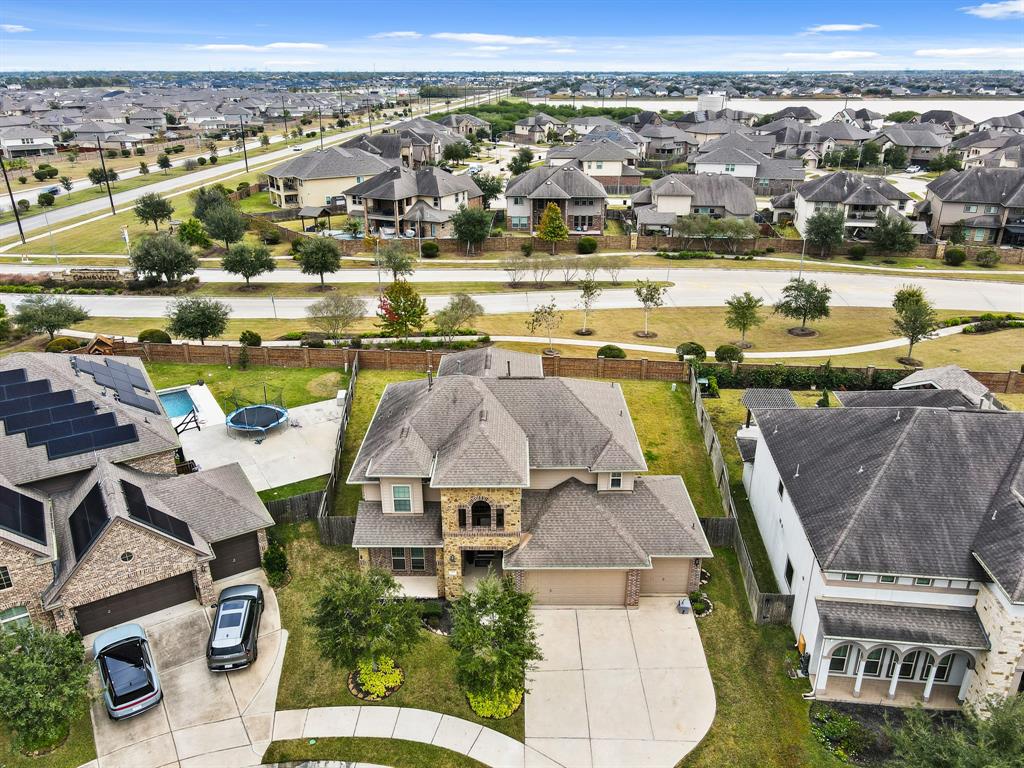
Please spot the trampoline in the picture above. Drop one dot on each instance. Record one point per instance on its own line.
(257, 419)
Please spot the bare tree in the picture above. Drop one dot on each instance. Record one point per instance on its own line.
(334, 313)
(570, 267)
(589, 291)
(591, 266)
(614, 265)
(541, 269)
(515, 267)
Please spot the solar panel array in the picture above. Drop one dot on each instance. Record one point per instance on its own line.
(88, 519)
(123, 379)
(23, 515)
(140, 510)
(55, 419)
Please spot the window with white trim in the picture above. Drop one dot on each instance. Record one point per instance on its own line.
(840, 657)
(730, 167)
(942, 673)
(887, 579)
(397, 559)
(5, 578)
(13, 618)
(615, 480)
(970, 208)
(873, 663)
(401, 498)
(851, 577)
(922, 582)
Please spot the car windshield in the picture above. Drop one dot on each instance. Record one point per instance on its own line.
(124, 667)
(227, 631)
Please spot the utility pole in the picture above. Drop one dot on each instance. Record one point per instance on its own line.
(241, 131)
(106, 179)
(320, 115)
(14, 205)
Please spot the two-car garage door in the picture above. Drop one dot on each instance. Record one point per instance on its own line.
(669, 576)
(572, 587)
(126, 606)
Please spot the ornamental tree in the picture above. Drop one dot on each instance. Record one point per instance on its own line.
(490, 185)
(393, 258)
(741, 313)
(225, 223)
(892, 234)
(552, 228)
(471, 226)
(804, 300)
(150, 208)
(589, 291)
(915, 316)
(520, 163)
(825, 229)
(39, 313)
(319, 255)
(197, 318)
(249, 261)
(547, 318)
(192, 232)
(651, 296)
(163, 256)
(335, 313)
(460, 312)
(401, 309)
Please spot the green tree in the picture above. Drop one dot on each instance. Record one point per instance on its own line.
(804, 300)
(335, 313)
(206, 199)
(401, 309)
(742, 313)
(520, 162)
(226, 224)
(850, 156)
(892, 234)
(195, 317)
(958, 233)
(43, 312)
(460, 312)
(264, 140)
(143, 168)
(651, 296)
(361, 619)
(471, 226)
(150, 208)
(249, 261)
(994, 739)
(163, 162)
(697, 227)
(192, 232)
(5, 323)
(547, 318)
(825, 229)
(67, 183)
(490, 185)
(97, 176)
(319, 255)
(454, 153)
(43, 682)
(589, 291)
(737, 231)
(896, 157)
(352, 226)
(393, 258)
(915, 316)
(163, 256)
(494, 635)
(901, 116)
(870, 153)
(552, 228)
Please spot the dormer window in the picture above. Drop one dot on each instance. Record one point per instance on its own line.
(401, 497)
(615, 481)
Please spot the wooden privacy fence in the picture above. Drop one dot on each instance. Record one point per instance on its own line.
(336, 530)
(765, 607)
(327, 503)
(295, 509)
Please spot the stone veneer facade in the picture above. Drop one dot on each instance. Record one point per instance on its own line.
(998, 671)
(456, 539)
(30, 575)
(165, 463)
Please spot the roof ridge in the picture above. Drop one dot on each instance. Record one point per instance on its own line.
(841, 539)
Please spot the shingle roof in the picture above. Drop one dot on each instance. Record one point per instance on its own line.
(376, 529)
(849, 187)
(950, 627)
(768, 398)
(946, 377)
(573, 525)
(601, 149)
(915, 136)
(747, 447)
(398, 183)
(993, 186)
(709, 189)
(492, 362)
(555, 182)
(331, 163)
(903, 398)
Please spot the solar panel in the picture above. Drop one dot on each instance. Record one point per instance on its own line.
(25, 389)
(13, 376)
(22, 515)
(68, 446)
(47, 432)
(88, 519)
(140, 510)
(114, 436)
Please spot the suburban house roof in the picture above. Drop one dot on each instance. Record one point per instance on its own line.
(454, 121)
(882, 490)
(850, 188)
(946, 377)
(555, 182)
(952, 627)
(573, 525)
(840, 131)
(399, 183)
(903, 398)
(748, 142)
(716, 190)
(492, 362)
(469, 431)
(331, 163)
(375, 529)
(768, 398)
(909, 135)
(766, 167)
(993, 186)
(945, 117)
(602, 149)
(797, 112)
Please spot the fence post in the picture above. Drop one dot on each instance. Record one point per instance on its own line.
(869, 374)
(227, 354)
(430, 359)
(387, 358)
(643, 369)
(305, 356)
(145, 349)
(188, 352)
(266, 355)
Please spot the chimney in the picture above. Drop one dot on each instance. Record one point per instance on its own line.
(430, 379)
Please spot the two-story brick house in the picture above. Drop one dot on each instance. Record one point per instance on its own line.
(96, 526)
(987, 203)
(582, 199)
(492, 465)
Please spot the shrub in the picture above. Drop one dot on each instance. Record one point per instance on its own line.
(712, 386)
(155, 336)
(769, 249)
(291, 336)
(201, 161)
(242, 185)
(954, 257)
(496, 705)
(111, 153)
(62, 344)
(611, 351)
(526, 249)
(46, 199)
(24, 205)
(313, 343)
(250, 338)
(693, 349)
(213, 159)
(430, 250)
(140, 151)
(688, 255)
(126, 153)
(586, 245)
(857, 252)
(987, 258)
(23, 179)
(839, 733)
(275, 563)
(356, 342)
(430, 609)
(377, 682)
(728, 353)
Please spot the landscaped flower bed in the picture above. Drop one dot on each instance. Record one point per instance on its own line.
(701, 604)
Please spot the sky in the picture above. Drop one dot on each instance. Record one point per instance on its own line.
(547, 35)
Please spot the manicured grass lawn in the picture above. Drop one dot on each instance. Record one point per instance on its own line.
(397, 753)
(308, 681)
(761, 721)
(904, 262)
(78, 749)
(131, 326)
(613, 227)
(1013, 402)
(312, 290)
(257, 203)
(369, 387)
(297, 488)
(300, 386)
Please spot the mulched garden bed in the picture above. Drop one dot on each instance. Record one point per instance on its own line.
(803, 333)
(356, 690)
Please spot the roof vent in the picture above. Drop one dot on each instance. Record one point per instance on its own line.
(483, 415)
(861, 470)
(797, 473)
(897, 416)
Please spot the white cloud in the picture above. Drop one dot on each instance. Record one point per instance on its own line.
(1007, 9)
(830, 55)
(840, 28)
(952, 53)
(268, 47)
(295, 46)
(401, 34)
(227, 47)
(563, 50)
(14, 28)
(485, 38)
(490, 47)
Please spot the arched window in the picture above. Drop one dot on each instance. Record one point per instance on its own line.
(840, 658)
(481, 514)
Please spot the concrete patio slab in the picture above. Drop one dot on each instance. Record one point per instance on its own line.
(210, 737)
(558, 633)
(328, 722)
(238, 757)
(605, 640)
(377, 722)
(416, 725)
(498, 750)
(616, 706)
(289, 723)
(246, 683)
(613, 753)
(456, 734)
(265, 700)
(150, 753)
(194, 695)
(681, 704)
(570, 753)
(556, 705)
(665, 639)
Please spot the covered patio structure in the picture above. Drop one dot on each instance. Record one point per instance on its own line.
(897, 655)
(314, 212)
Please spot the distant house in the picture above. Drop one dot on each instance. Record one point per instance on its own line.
(22, 141)
(657, 207)
(737, 156)
(952, 121)
(604, 160)
(975, 146)
(464, 125)
(668, 142)
(641, 119)
(534, 129)
(580, 198)
(793, 138)
(413, 143)
(147, 118)
(801, 114)
(581, 126)
(863, 118)
(987, 202)
(861, 198)
(922, 142)
(322, 177)
(710, 130)
(1008, 123)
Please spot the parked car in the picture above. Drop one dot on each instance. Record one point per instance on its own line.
(913, 169)
(236, 628)
(296, 149)
(53, 190)
(128, 675)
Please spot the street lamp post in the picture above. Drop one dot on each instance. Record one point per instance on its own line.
(14, 205)
(106, 178)
(320, 116)
(245, 154)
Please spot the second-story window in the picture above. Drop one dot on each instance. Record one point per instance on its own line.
(499, 519)
(851, 577)
(401, 496)
(615, 481)
(5, 578)
(730, 168)
(462, 517)
(481, 514)
(887, 579)
(970, 208)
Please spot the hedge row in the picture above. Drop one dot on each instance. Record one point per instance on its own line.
(783, 377)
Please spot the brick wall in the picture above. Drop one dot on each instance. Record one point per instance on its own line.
(456, 540)
(29, 579)
(632, 588)
(380, 557)
(159, 463)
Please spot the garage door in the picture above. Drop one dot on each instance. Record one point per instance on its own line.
(130, 605)
(232, 556)
(669, 576)
(577, 587)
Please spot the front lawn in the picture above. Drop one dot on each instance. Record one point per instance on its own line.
(77, 750)
(308, 681)
(397, 753)
(300, 386)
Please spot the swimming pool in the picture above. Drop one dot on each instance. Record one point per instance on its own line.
(177, 403)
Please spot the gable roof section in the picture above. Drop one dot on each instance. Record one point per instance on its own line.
(993, 186)
(331, 163)
(946, 377)
(926, 625)
(492, 362)
(903, 398)
(398, 183)
(851, 188)
(555, 182)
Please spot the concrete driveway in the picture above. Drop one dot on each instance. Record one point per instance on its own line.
(619, 687)
(205, 719)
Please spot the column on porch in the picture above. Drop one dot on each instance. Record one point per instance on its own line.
(895, 676)
(931, 678)
(821, 680)
(862, 662)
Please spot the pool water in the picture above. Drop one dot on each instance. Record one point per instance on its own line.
(177, 403)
